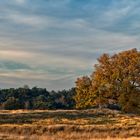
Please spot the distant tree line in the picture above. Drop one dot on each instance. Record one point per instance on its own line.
(36, 98)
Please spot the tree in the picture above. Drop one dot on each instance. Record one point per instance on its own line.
(116, 77)
(119, 77)
(64, 99)
(12, 103)
(103, 81)
(40, 102)
(82, 97)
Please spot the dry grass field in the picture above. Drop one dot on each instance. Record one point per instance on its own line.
(69, 125)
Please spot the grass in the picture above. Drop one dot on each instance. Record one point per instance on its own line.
(69, 125)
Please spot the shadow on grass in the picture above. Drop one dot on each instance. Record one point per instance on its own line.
(31, 117)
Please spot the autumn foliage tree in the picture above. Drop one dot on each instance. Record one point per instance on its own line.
(82, 97)
(117, 78)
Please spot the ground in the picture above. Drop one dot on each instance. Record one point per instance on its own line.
(68, 125)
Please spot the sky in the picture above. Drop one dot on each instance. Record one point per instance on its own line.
(49, 43)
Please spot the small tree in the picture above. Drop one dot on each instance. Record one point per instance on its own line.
(40, 102)
(12, 103)
(83, 86)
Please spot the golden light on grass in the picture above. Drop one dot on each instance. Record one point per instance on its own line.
(69, 124)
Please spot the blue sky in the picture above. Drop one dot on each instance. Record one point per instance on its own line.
(49, 43)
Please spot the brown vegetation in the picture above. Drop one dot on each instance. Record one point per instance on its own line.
(69, 124)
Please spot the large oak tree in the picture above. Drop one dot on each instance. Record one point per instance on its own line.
(116, 77)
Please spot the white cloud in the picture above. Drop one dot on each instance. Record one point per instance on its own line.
(15, 55)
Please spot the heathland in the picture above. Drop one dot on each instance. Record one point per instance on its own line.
(85, 109)
(88, 124)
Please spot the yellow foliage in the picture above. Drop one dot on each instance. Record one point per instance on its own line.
(115, 77)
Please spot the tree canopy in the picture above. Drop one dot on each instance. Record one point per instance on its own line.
(116, 78)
